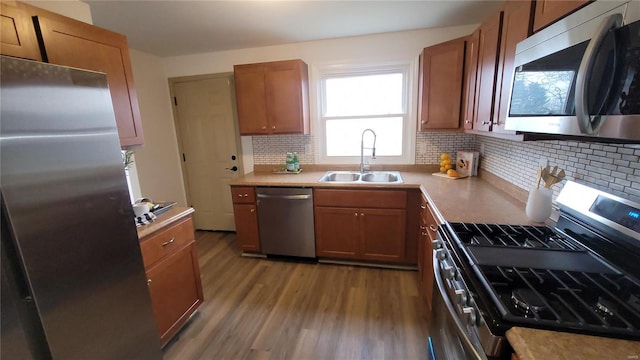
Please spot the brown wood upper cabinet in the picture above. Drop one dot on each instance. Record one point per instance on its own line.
(68, 42)
(515, 28)
(488, 48)
(497, 38)
(440, 85)
(17, 31)
(549, 11)
(470, 79)
(273, 97)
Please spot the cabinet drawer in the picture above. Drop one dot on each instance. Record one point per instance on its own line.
(376, 199)
(167, 241)
(243, 194)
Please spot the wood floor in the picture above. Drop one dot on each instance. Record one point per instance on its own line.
(267, 309)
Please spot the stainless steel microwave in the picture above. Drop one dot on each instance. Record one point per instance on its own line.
(580, 76)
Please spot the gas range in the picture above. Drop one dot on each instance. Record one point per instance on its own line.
(581, 276)
(538, 277)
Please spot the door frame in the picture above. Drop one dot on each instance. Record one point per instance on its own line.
(234, 111)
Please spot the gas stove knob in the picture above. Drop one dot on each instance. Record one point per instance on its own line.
(449, 272)
(462, 297)
(470, 315)
(441, 254)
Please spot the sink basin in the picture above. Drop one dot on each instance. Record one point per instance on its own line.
(381, 177)
(340, 176)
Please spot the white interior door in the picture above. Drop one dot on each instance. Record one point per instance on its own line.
(207, 134)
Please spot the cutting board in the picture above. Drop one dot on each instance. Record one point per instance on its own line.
(442, 175)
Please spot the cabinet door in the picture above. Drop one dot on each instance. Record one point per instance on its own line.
(251, 99)
(337, 232)
(487, 65)
(286, 104)
(471, 70)
(383, 234)
(440, 87)
(515, 28)
(548, 11)
(175, 289)
(18, 35)
(73, 43)
(430, 235)
(246, 218)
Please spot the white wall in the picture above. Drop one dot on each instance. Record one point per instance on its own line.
(401, 47)
(70, 8)
(157, 162)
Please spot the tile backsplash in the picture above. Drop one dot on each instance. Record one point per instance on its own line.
(614, 168)
(272, 149)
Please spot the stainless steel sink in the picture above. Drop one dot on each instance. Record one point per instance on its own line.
(340, 176)
(380, 177)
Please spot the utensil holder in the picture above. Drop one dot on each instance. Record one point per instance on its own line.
(539, 204)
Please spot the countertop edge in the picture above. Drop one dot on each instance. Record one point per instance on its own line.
(536, 344)
(172, 215)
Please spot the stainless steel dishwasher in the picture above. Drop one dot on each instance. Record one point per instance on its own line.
(285, 216)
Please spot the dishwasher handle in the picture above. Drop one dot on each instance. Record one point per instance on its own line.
(284, 197)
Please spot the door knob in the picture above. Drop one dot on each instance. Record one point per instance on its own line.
(233, 168)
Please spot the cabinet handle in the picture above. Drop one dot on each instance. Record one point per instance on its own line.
(361, 214)
(467, 121)
(433, 228)
(423, 207)
(424, 233)
(264, 128)
(274, 127)
(422, 227)
(253, 210)
(169, 242)
(486, 122)
(148, 282)
(241, 195)
(356, 214)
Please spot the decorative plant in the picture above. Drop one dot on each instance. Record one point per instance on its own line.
(127, 158)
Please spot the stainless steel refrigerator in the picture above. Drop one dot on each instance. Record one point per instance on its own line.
(73, 281)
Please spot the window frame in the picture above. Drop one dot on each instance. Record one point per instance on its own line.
(408, 69)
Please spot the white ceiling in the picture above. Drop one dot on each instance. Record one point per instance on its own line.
(170, 28)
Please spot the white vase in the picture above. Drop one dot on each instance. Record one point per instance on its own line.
(539, 204)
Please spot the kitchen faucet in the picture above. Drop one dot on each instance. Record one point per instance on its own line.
(373, 148)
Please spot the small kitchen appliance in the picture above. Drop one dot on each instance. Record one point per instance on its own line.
(581, 275)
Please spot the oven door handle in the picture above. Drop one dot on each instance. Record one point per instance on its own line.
(460, 327)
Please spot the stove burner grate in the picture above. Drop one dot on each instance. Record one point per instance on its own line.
(527, 301)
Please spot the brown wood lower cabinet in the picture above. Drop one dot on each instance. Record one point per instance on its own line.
(361, 224)
(245, 212)
(247, 233)
(173, 275)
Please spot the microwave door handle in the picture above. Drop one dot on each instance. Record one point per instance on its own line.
(582, 108)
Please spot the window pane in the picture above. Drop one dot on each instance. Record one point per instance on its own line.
(344, 136)
(364, 95)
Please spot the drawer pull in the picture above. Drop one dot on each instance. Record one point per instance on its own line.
(433, 228)
(424, 233)
(243, 195)
(169, 242)
(148, 282)
(423, 207)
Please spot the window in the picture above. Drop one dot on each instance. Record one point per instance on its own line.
(357, 98)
